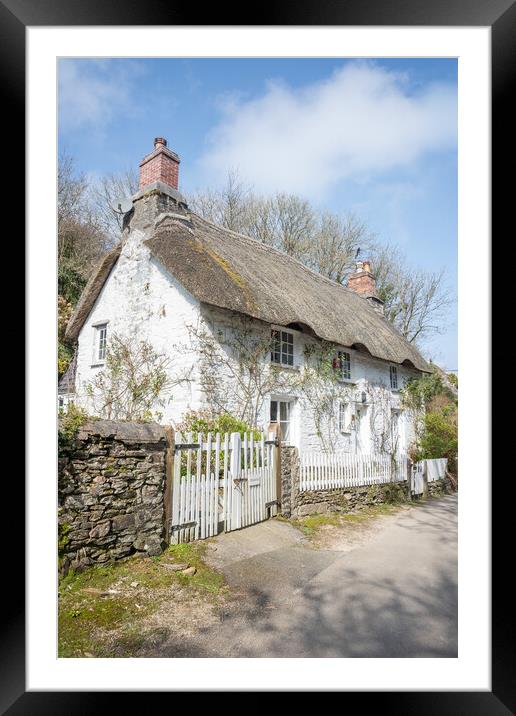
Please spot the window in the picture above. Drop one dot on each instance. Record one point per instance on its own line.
(64, 401)
(394, 377)
(282, 348)
(100, 343)
(342, 365)
(343, 417)
(281, 411)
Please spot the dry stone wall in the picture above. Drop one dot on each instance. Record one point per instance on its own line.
(299, 504)
(111, 493)
(348, 499)
(440, 487)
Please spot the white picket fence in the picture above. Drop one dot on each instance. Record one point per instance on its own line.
(435, 468)
(221, 482)
(328, 471)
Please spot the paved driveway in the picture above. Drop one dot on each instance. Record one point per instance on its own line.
(394, 594)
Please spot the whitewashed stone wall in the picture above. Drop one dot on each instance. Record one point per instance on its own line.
(367, 375)
(141, 300)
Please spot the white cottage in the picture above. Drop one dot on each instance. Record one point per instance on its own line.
(248, 329)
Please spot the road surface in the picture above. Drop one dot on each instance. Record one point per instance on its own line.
(392, 594)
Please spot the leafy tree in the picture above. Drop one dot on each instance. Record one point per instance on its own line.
(436, 405)
(65, 353)
(440, 437)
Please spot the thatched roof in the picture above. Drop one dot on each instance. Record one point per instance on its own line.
(91, 291)
(228, 270)
(225, 269)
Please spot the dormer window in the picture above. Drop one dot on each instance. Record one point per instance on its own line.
(282, 347)
(394, 377)
(342, 365)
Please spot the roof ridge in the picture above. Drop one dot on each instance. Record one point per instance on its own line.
(268, 247)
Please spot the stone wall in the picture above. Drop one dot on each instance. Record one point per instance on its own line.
(348, 499)
(111, 493)
(440, 487)
(289, 478)
(299, 504)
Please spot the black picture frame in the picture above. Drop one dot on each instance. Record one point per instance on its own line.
(500, 16)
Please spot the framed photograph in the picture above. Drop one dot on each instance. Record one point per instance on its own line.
(259, 256)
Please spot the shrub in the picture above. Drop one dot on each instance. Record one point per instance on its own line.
(206, 421)
(65, 352)
(69, 424)
(440, 437)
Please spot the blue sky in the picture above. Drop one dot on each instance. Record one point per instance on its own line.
(374, 137)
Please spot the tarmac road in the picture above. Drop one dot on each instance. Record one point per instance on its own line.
(393, 594)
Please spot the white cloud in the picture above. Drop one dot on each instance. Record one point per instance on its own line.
(360, 122)
(93, 92)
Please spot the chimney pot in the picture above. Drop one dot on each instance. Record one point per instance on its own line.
(161, 165)
(363, 282)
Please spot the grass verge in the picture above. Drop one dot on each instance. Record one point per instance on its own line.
(311, 525)
(109, 606)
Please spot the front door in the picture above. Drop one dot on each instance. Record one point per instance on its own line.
(281, 412)
(361, 429)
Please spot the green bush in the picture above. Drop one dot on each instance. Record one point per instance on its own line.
(440, 438)
(205, 421)
(69, 424)
(419, 392)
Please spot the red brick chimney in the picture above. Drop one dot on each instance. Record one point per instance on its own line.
(363, 282)
(160, 165)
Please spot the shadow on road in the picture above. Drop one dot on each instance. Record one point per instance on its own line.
(381, 601)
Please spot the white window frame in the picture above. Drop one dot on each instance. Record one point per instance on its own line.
(337, 357)
(344, 417)
(97, 328)
(64, 400)
(288, 421)
(393, 371)
(396, 421)
(282, 353)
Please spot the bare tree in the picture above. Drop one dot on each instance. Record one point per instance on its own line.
(284, 220)
(106, 193)
(227, 207)
(71, 189)
(80, 239)
(335, 243)
(416, 301)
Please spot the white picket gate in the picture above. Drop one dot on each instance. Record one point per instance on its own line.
(435, 470)
(418, 484)
(221, 483)
(328, 471)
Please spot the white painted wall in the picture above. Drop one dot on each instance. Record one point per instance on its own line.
(367, 375)
(142, 300)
